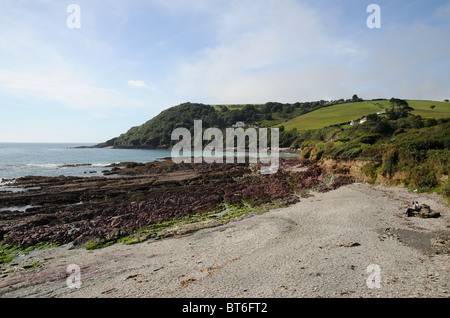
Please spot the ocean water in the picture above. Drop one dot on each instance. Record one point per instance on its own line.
(39, 159)
(64, 159)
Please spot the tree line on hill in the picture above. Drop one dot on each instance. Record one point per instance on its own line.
(156, 133)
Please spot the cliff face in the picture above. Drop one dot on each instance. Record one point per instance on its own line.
(361, 171)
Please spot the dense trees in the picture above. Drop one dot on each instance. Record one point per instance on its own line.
(399, 109)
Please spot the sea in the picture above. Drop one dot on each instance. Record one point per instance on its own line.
(67, 159)
(64, 159)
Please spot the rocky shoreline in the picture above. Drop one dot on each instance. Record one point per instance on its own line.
(132, 196)
(222, 231)
(326, 245)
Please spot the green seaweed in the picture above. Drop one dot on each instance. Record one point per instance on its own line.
(10, 251)
(186, 224)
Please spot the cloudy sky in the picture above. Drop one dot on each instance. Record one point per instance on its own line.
(129, 60)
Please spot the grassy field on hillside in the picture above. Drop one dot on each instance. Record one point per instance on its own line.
(422, 108)
(331, 115)
(351, 111)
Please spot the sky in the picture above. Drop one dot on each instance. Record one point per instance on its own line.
(88, 75)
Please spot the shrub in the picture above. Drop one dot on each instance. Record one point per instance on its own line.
(320, 150)
(306, 153)
(370, 170)
(430, 122)
(372, 153)
(424, 177)
(369, 138)
(399, 131)
(390, 161)
(445, 190)
(440, 160)
(384, 127)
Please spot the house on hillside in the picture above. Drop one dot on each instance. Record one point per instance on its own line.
(239, 124)
(357, 122)
(382, 112)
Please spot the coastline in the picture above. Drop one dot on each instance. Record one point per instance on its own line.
(132, 196)
(314, 248)
(287, 225)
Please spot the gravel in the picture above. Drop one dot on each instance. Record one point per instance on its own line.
(328, 245)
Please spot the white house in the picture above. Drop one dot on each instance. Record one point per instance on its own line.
(382, 112)
(239, 124)
(362, 121)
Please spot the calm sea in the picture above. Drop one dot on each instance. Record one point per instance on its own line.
(39, 159)
(52, 159)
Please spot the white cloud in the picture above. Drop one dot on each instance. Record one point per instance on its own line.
(34, 64)
(177, 7)
(260, 44)
(411, 63)
(56, 86)
(139, 84)
(285, 51)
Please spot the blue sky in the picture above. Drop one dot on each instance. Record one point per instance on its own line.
(132, 59)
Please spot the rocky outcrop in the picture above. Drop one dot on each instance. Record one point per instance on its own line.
(79, 210)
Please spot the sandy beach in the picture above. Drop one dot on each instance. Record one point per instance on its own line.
(326, 245)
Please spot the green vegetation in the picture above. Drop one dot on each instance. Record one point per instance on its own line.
(423, 108)
(31, 265)
(414, 149)
(95, 245)
(342, 114)
(332, 115)
(9, 252)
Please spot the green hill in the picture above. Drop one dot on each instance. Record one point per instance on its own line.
(156, 133)
(424, 108)
(331, 115)
(347, 112)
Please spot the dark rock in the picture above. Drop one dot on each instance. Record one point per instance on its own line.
(142, 195)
